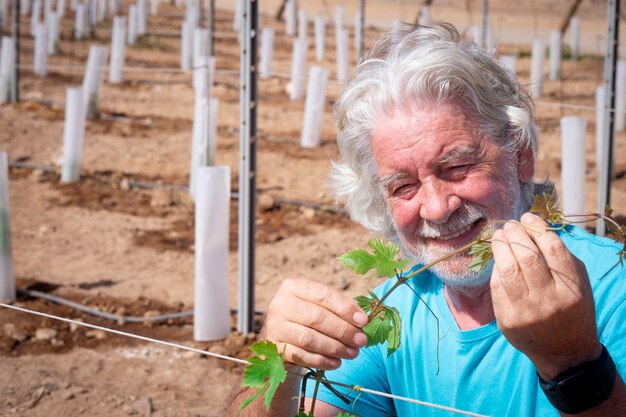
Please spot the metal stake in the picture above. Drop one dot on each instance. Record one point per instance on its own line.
(610, 67)
(247, 165)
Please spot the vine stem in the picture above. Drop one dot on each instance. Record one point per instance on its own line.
(318, 379)
(378, 306)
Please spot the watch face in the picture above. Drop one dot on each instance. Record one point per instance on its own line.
(580, 391)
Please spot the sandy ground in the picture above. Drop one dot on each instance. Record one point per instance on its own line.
(110, 244)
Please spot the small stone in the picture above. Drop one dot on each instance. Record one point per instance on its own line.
(96, 334)
(37, 175)
(266, 202)
(67, 395)
(125, 184)
(308, 213)
(45, 334)
(14, 333)
(191, 355)
(36, 397)
(218, 349)
(143, 406)
(128, 409)
(45, 229)
(160, 198)
(148, 315)
(74, 326)
(56, 342)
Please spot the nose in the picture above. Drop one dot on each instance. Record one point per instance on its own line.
(438, 202)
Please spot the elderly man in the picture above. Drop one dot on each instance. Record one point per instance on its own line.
(438, 141)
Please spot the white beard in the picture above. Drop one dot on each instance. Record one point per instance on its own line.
(454, 272)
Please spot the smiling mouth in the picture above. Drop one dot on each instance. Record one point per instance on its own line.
(461, 235)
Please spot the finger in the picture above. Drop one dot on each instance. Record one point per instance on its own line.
(562, 265)
(316, 342)
(301, 357)
(506, 271)
(343, 307)
(324, 321)
(533, 268)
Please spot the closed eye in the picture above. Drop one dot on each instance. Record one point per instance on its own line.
(458, 171)
(403, 190)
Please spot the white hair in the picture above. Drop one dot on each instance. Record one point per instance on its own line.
(423, 66)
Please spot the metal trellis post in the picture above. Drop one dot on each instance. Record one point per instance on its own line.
(211, 25)
(485, 30)
(362, 29)
(247, 165)
(610, 66)
(15, 9)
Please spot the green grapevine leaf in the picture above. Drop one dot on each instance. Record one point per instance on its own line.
(377, 330)
(303, 414)
(344, 415)
(382, 260)
(393, 340)
(367, 303)
(384, 326)
(265, 372)
(359, 261)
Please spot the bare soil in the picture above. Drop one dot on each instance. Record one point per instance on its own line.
(121, 240)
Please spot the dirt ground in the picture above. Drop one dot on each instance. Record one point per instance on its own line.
(121, 240)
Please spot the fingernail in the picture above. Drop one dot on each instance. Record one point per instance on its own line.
(528, 218)
(352, 352)
(360, 318)
(360, 339)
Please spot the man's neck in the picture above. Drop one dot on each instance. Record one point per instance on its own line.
(470, 307)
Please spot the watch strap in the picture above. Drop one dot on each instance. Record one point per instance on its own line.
(583, 386)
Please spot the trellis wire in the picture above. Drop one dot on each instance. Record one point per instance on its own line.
(121, 333)
(229, 358)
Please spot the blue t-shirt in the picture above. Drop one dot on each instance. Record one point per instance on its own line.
(473, 370)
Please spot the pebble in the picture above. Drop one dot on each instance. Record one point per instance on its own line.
(191, 355)
(143, 406)
(96, 334)
(125, 184)
(67, 395)
(266, 202)
(74, 326)
(46, 229)
(308, 213)
(36, 397)
(218, 349)
(14, 333)
(45, 334)
(37, 175)
(56, 342)
(160, 198)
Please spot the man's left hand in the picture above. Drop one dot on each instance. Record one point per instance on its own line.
(542, 298)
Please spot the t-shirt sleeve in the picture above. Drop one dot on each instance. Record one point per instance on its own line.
(366, 370)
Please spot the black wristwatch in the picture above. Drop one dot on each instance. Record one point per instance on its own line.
(582, 387)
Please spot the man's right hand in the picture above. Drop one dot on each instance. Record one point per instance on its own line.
(317, 325)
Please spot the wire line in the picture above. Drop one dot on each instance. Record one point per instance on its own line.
(228, 358)
(131, 335)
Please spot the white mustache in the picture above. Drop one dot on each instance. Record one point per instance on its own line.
(462, 221)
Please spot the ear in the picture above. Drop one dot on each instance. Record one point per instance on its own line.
(525, 165)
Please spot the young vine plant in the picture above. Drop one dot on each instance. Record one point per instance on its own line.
(266, 369)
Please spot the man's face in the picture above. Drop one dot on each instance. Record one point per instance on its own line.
(443, 184)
